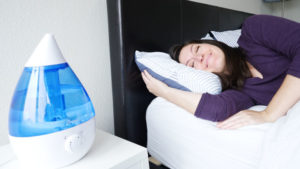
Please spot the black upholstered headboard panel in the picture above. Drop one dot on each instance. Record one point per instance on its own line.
(152, 25)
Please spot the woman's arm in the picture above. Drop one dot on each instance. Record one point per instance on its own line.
(205, 106)
(287, 95)
(282, 36)
(186, 100)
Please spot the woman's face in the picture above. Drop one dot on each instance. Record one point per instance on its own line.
(203, 56)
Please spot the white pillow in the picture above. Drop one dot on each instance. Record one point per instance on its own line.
(228, 37)
(207, 37)
(161, 66)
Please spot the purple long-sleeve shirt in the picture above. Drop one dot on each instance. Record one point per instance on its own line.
(272, 46)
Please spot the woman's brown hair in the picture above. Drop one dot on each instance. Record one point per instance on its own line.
(236, 68)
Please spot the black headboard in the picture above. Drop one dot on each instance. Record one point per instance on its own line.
(152, 25)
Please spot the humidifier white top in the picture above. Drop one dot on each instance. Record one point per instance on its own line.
(46, 53)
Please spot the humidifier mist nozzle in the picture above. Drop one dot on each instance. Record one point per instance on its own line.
(46, 53)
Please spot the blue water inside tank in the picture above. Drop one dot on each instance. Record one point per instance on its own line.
(48, 99)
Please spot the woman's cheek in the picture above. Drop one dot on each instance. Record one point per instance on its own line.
(198, 66)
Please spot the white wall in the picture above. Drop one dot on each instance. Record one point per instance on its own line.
(80, 28)
(251, 6)
(292, 9)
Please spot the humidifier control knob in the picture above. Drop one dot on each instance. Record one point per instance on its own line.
(73, 143)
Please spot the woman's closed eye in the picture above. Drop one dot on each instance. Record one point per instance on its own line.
(197, 49)
(192, 64)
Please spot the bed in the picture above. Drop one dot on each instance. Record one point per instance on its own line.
(156, 25)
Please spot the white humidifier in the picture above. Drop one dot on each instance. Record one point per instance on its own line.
(51, 120)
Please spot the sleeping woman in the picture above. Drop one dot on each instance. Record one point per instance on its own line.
(264, 70)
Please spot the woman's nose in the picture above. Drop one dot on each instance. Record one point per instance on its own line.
(199, 58)
(199, 55)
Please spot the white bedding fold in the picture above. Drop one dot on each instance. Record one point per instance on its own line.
(281, 146)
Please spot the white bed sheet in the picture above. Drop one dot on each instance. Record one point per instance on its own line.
(180, 141)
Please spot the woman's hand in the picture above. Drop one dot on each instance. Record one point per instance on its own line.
(184, 99)
(244, 118)
(154, 86)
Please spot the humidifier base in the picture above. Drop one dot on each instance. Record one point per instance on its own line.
(54, 150)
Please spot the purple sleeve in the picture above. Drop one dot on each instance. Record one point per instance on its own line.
(220, 107)
(278, 34)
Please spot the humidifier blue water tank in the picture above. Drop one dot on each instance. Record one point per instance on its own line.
(51, 120)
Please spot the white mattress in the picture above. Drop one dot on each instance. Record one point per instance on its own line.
(180, 141)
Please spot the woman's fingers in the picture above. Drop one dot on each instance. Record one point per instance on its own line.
(144, 77)
(241, 119)
(231, 122)
(154, 86)
(147, 75)
(238, 120)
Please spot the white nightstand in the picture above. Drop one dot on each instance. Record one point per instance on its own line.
(108, 152)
